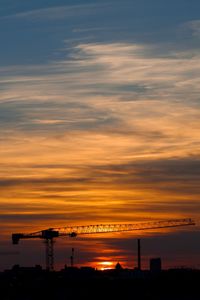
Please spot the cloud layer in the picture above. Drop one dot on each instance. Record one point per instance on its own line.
(107, 132)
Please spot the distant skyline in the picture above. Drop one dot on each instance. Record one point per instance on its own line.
(99, 117)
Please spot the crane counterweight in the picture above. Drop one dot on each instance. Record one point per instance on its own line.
(16, 237)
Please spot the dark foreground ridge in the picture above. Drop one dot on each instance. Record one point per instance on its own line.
(88, 283)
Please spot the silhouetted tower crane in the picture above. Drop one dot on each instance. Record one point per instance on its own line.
(50, 234)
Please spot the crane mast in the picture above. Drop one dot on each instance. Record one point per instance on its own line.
(48, 235)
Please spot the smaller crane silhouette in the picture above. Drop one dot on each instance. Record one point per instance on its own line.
(49, 235)
(72, 258)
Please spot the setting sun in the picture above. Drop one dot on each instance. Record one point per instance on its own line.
(105, 265)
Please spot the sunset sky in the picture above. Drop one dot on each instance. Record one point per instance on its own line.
(99, 123)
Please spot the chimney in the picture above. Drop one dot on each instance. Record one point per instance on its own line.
(139, 254)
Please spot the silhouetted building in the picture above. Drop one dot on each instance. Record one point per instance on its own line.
(22, 283)
(118, 266)
(155, 265)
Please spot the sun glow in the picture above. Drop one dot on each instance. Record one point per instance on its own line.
(106, 265)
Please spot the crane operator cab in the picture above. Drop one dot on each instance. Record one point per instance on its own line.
(49, 234)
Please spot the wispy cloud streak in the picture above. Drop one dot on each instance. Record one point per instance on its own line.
(57, 12)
